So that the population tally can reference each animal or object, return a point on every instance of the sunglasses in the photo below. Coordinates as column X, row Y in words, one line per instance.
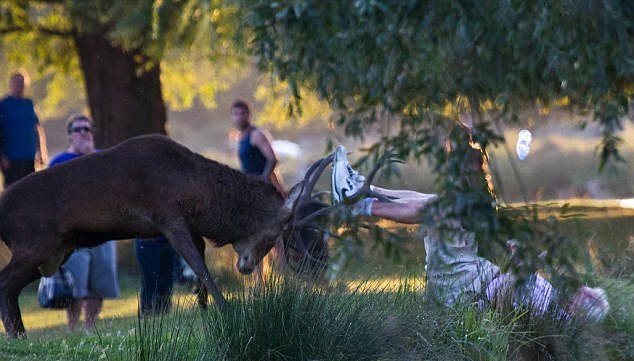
column 80, row 129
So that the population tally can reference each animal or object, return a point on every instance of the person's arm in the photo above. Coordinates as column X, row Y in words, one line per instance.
column 41, row 155
column 276, row 179
column 261, row 140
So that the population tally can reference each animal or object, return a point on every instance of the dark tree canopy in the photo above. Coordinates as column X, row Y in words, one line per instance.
column 413, row 59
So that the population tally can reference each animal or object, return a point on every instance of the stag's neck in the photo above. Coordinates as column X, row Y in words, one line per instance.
column 234, row 207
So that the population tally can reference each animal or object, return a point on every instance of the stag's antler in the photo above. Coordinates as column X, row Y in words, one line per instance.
column 306, row 242
column 313, row 175
column 365, row 190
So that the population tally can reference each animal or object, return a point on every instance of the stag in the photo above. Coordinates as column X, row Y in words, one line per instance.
column 144, row 187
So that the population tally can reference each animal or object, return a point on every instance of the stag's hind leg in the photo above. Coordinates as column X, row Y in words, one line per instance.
column 178, row 234
column 13, row 278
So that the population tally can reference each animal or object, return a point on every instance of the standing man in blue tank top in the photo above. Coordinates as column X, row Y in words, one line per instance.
column 254, row 147
column 257, row 158
column 22, row 139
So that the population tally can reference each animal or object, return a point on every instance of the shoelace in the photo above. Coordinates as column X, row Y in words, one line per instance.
column 351, row 187
column 353, row 173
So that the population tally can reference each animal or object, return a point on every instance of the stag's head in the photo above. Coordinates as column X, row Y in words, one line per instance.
column 252, row 250
column 286, row 224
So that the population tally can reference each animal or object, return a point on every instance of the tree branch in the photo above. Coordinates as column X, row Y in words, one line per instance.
column 37, row 29
column 48, row 1
column 55, row 32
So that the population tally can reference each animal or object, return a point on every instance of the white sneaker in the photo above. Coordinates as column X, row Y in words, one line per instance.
column 345, row 180
column 352, row 173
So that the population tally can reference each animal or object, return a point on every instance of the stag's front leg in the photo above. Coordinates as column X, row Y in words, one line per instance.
column 178, row 234
column 13, row 278
column 201, row 290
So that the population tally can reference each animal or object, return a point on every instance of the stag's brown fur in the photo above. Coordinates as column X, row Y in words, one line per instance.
column 144, row 187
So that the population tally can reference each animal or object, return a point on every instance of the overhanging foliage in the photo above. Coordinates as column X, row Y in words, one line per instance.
column 374, row 58
column 426, row 67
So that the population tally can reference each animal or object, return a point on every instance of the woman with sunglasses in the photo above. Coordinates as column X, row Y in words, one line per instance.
column 94, row 269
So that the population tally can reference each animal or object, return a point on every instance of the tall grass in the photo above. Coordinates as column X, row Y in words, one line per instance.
column 299, row 321
column 620, row 322
column 283, row 321
column 292, row 320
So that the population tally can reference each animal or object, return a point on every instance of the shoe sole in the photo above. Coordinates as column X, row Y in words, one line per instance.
column 336, row 190
column 335, row 173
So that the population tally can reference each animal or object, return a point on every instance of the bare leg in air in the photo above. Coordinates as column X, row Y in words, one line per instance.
column 404, row 208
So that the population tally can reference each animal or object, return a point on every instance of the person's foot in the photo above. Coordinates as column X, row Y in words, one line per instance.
column 345, row 180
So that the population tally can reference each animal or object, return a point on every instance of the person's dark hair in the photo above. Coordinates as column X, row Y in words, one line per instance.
column 75, row 117
column 242, row 105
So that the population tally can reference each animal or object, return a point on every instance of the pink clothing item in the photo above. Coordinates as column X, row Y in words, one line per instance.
column 537, row 293
column 591, row 303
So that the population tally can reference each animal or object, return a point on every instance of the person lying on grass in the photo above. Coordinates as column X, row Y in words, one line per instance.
column 454, row 271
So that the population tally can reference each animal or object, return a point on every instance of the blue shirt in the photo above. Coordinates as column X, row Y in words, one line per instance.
column 18, row 128
column 63, row 157
column 252, row 160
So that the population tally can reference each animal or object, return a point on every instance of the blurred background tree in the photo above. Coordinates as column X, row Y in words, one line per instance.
column 129, row 56
column 402, row 62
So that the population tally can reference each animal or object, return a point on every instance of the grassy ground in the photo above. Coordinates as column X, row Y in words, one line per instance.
column 299, row 322
column 376, row 312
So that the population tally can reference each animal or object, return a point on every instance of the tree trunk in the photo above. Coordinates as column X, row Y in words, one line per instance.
column 124, row 97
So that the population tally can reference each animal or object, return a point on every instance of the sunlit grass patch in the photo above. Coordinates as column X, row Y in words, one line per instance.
column 386, row 284
column 37, row 318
